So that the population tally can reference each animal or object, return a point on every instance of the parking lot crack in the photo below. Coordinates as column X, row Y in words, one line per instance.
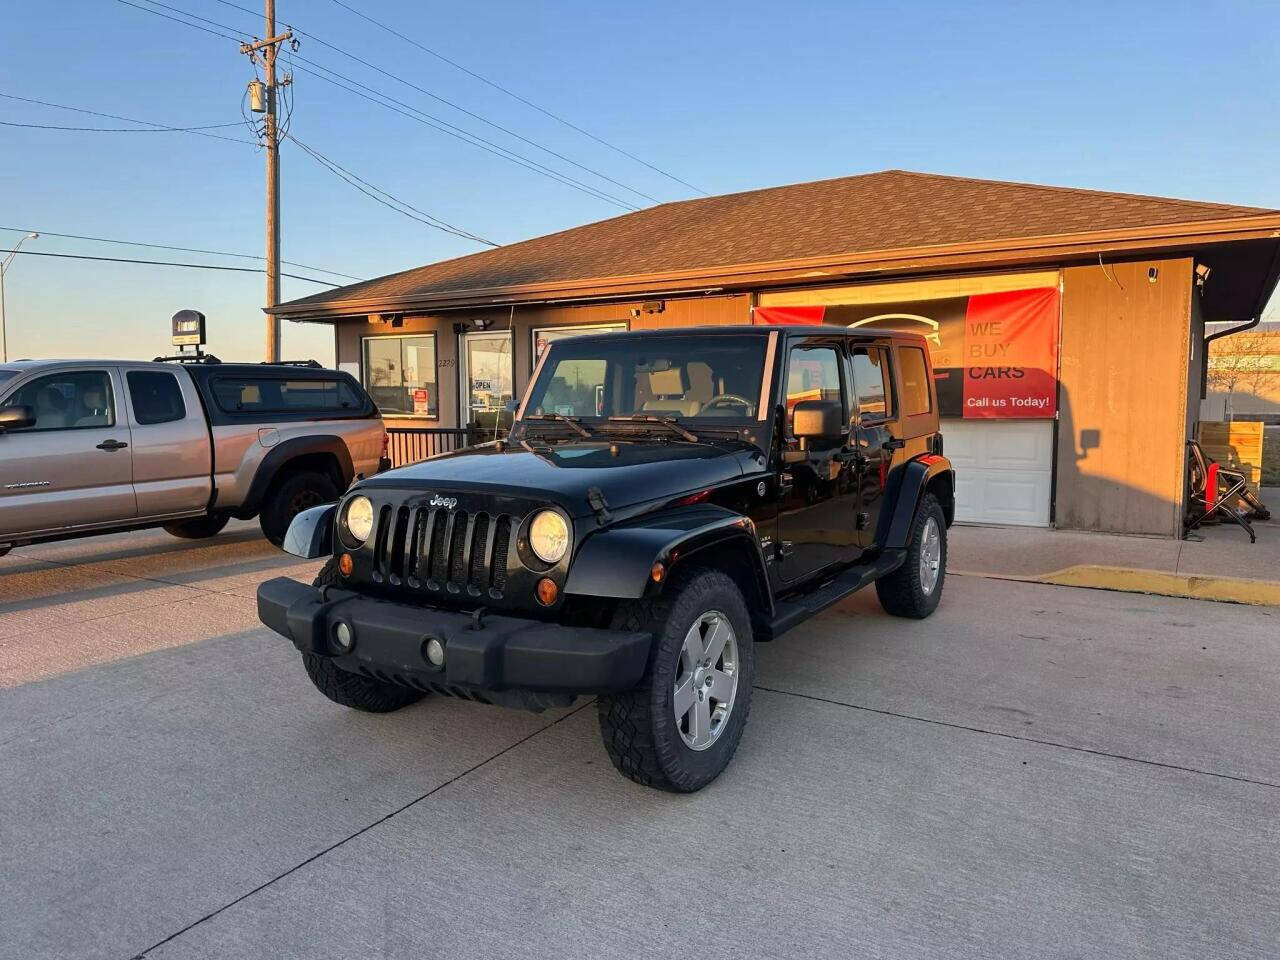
column 363, row 830
column 1013, row 736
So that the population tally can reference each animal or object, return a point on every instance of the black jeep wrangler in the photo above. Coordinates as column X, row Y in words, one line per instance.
column 664, row 500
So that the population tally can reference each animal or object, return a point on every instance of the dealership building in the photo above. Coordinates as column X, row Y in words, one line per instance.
column 1067, row 326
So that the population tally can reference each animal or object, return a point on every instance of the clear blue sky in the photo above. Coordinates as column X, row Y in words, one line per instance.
column 1168, row 98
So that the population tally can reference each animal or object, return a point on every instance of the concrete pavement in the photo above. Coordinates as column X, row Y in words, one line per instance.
column 1219, row 563
column 1035, row 771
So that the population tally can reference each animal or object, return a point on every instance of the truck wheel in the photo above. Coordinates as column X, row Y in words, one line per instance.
column 295, row 493
column 351, row 689
column 914, row 589
column 198, row 528
column 679, row 728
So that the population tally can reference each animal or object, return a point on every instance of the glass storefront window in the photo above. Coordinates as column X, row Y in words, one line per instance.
column 548, row 335
column 400, row 374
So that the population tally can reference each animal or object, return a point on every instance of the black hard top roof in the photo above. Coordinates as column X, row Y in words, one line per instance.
column 807, row 330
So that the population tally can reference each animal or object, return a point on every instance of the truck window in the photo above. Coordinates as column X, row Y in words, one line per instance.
column 914, row 373
column 871, row 381
column 65, row 401
column 270, row 395
column 156, row 397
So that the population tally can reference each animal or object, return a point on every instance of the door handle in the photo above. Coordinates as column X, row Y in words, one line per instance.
column 893, row 443
column 112, row 445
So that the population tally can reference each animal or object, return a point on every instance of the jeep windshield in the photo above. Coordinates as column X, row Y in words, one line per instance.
column 652, row 381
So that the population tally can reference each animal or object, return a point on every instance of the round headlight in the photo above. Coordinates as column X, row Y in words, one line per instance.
column 359, row 518
column 549, row 536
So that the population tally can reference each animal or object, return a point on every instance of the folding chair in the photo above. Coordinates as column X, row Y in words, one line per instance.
column 1215, row 490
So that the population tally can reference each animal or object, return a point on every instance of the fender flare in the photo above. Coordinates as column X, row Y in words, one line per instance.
column 310, row 534
column 279, row 456
column 616, row 562
column 906, row 488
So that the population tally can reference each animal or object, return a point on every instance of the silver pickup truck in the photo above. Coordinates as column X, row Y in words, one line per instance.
column 98, row 446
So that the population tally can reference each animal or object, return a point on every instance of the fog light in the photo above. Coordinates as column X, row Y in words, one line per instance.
column 547, row 591
column 344, row 564
column 343, row 638
column 434, row 651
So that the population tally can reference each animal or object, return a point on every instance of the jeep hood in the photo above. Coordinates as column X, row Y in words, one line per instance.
column 563, row 473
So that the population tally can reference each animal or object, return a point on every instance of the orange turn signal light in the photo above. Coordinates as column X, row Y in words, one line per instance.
column 547, row 591
column 658, row 571
column 345, row 564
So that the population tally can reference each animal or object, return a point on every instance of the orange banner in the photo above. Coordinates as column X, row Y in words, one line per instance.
column 1011, row 355
column 995, row 355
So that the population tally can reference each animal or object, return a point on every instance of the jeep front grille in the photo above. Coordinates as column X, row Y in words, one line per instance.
column 436, row 550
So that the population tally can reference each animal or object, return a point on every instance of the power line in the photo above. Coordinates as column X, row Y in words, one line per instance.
column 448, row 103
column 114, row 116
column 188, row 23
column 164, row 263
column 48, row 126
column 416, row 214
column 510, row 93
column 165, row 246
column 432, row 121
column 413, row 113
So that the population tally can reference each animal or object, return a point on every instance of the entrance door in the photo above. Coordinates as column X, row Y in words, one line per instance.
column 818, row 509
column 487, row 385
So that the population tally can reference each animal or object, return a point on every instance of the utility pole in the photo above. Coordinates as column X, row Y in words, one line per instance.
column 4, row 267
column 264, row 52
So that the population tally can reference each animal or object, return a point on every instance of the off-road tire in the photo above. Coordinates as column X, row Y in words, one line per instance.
column 289, row 497
column 198, row 528
column 351, row 689
column 901, row 593
column 639, row 727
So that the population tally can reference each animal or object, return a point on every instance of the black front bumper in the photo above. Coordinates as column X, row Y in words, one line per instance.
column 497, row 654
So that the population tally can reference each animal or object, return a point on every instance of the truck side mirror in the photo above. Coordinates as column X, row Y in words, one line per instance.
column 17, row 418
column 821, row 420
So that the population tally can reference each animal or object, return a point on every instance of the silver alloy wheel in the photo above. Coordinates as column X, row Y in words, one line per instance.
column 930, row 555
column 706, row 683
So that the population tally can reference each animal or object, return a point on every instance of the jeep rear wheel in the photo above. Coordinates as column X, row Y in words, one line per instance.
column 915, row 588
column 679, row 728
column 289, row 497
column 351, row 689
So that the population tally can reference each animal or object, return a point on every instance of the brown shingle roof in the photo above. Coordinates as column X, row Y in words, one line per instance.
column 885, row 211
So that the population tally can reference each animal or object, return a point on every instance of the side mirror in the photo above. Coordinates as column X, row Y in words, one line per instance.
column 817, row 420
column 17, row 418
column 512, row 406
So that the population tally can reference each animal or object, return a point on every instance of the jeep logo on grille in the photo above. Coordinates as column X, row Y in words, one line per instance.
column 447, row 502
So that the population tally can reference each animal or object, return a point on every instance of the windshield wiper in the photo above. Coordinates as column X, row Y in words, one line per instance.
column 573, row 423
column 669, row 422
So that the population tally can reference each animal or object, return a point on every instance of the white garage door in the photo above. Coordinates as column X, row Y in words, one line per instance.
column 1003, row 469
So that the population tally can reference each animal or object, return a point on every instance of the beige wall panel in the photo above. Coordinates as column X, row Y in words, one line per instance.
column 1125, row 352
column 905, row 291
